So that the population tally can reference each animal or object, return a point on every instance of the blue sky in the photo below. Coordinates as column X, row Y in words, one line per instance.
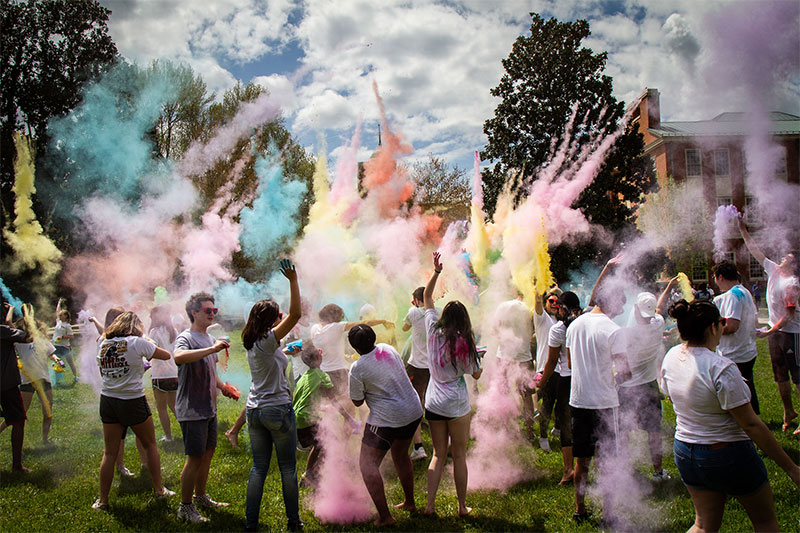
column 434, row 62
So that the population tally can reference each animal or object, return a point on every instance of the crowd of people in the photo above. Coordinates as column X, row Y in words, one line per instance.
column 595, row 379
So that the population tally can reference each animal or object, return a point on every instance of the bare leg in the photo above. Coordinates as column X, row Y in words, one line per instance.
column 163, row 414
column 439, row 437
column 142, row 451
column 233, row 433
column 459, row 435
column 402, row 463
column 71, row 364
column 654, row 440
column 47, row 421
column 369, row 463
column 311, row 464
column 708, row 508
column 789, row 414
column 569, row 468
column 146, row 441
column 202, row 474
column 112, row 441
column 760, row 508
column 121, row 454
column 581, row 476
column 189, row 477
column 17, row 439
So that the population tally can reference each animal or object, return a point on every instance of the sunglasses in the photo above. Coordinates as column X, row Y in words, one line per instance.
column 553, row 301
column 723, row 321
column 209, row 310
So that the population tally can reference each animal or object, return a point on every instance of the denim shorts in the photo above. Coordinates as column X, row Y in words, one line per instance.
column 733, row 468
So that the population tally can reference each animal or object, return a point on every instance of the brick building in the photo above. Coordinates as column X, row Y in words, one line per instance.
column 711, row 151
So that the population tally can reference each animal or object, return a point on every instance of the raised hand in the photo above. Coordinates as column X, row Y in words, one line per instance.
column 437, row 264
column 288, row 270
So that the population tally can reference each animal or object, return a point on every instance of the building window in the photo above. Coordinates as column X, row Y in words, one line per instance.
column 722, row 163
column 694, row 166
column 781, row 170
column 756, row 271
column 729, row 256
column 699, row 268
column 751, row 214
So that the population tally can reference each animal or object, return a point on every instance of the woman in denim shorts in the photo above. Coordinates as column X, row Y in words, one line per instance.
column 716, row 424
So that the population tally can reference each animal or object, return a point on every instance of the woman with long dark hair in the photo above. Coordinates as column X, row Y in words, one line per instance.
column 716, row 424
column 451, row 354
column 270, row 417
column 164, row 374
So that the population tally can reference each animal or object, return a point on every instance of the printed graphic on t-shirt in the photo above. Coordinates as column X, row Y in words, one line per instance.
column 112, row 359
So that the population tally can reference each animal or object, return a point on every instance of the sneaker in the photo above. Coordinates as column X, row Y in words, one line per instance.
column 97, row 506
column 544, row 444
column 661, row 476
column 188, row 513
column 206, row 502
column 556, row 433
column 295, row 525
column 580, row 518
column 164, row 494
column 124, row 472
column 417, row 454
column 165, row 439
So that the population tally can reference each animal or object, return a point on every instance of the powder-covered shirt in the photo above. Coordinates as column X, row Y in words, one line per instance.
column 514, row 328
column 644, row 350
column 782, row 292
column 556, row 339
column 703, row 387
column 380, row 379
column 62, row 333
column 419, row 339
column 197, row 381
column 541, row 325
column 306, row 396
column 592, row 339
column 267, row 362
column 121, row 366
column 446, row 394
column 162, row 369
column 737, row 303
column 34, row 357
column 330, row 339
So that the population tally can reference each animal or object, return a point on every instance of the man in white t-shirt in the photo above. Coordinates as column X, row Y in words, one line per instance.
column 545, row 311
column 417, row 367
column 738, row 341
column 513, row 331
column 783, row 288
column 379, row 379
column 595, row 347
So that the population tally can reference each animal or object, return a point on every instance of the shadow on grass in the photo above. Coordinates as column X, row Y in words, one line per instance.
column 43, row 479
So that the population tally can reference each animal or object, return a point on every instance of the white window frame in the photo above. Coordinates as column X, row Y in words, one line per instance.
column 754, row 266
column 699, row 162
column 695, row 264
column 751, row 213
column 727, row 160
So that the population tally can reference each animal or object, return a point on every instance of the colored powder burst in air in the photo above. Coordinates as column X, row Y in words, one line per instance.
column 526, row 250
column 10, row 298
column 160, row 296
column 726, row 215
column 685, row 286
column 478, row 243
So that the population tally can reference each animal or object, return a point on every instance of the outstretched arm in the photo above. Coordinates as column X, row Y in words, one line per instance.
column 661, row 307
column 295, row 311
column 751, row 245
column 606, row 270
column 437, row 269
column 762, row 436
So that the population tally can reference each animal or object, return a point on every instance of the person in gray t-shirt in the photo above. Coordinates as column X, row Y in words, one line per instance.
column 380, row 379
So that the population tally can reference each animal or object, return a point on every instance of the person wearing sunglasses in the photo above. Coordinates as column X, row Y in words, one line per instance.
column 196, row 404
column 716, row 424
column 545, row 316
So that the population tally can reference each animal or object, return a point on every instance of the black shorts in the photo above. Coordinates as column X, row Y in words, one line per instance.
column 307, row 437
column 419, row 380
column 165, row 384
column 640, row 405
column 199, row 436
column 783, row 348
column 591, row 427
column 12, row 407
column 124, row 412
column 382, row 437
column 28, row 387
column 431, row 416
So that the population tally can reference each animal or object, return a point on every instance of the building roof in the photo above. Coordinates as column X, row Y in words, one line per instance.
column 727, row 124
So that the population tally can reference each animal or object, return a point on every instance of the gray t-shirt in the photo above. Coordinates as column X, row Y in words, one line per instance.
column 197, row 382
column 379, row 378
column 268, row 370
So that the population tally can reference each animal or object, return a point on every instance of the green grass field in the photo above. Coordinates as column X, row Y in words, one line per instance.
column 58, row 494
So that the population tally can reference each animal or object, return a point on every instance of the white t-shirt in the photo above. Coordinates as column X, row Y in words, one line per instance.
column 419, row 339
column 301, row 332
column 62, row 333
column 121, row 367
column 782, row 292
column 330, row 339
column 162, row 369
column 514, row 329
column 556, row 339
column 447, row 390
column 379, row 377
column 541, row 325
column 644, row 350
column 592, row 339
column 34, row 360
column 703, row 387
column 737, row 303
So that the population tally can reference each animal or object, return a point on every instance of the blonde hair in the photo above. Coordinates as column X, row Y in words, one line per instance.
column 125, row 325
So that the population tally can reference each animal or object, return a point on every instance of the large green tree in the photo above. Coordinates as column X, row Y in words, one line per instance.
column 546, row 74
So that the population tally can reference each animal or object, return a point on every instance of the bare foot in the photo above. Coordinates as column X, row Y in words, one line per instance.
column 22, row 470
column 233, row 439
column 384, row 522
column 465, row 511
column 567, row 478
column 410, row 507
column 787, row 418
column 429, row 512
column 796, row 431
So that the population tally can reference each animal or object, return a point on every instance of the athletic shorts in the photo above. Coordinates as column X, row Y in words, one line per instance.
column 783, row 351
column 28, row 387
column 430, row 416
column 124, row 412
column 199, row 436
column 63, row 352
column 591, row 427
column 382, row 437
column 12, row 407
column 307, row 437
column 165, row 384
column 341, row 382
column 419, row 380
column 730, row 467
column 641, row 405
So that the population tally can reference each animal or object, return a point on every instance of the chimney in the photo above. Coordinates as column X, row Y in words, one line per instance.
column 653, row 106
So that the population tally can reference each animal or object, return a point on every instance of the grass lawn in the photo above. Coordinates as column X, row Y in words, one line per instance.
column 58, row 494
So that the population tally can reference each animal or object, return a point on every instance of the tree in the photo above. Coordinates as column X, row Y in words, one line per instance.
column 441, row 188
column 48, row 50
column 546, row 74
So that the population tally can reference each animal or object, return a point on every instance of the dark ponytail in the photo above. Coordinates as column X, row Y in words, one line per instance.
column 694, row 318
